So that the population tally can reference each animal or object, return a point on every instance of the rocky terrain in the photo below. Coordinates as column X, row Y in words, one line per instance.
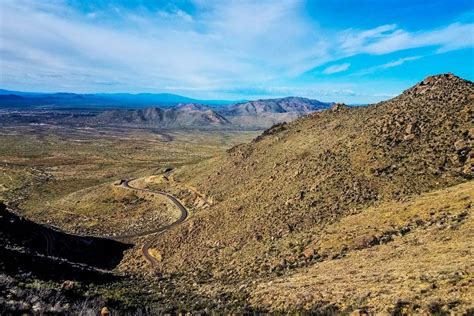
column 348, row 210
column 276, row 199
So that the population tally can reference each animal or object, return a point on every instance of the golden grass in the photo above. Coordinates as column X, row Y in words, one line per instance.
column 429, row 267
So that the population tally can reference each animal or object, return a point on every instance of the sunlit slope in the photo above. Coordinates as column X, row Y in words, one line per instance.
column 408, row 256
column 272, row 193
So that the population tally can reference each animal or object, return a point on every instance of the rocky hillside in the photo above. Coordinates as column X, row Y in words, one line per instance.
column 277, row 200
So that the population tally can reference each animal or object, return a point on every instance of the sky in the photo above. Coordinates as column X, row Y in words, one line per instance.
column 360, row 51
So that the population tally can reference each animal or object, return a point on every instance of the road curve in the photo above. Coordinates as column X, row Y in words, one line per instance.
column 50, row 240
column 146, row 247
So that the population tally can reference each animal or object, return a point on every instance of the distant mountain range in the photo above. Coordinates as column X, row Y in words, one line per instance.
column 183, row 115
column 265, row 113
column 247, row 115
column 157, row 110
column 22, row 100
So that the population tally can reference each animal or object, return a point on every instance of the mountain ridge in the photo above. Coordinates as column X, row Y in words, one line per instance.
column 91, row 100
column 273, row 198
column 266, row 113
column 187, row 115
column 278, row 105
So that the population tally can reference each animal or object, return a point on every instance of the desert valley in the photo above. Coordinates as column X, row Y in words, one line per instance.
column 228, row 218
column 181, row 157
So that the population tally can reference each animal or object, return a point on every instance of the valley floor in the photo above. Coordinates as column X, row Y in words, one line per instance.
column 53, row 172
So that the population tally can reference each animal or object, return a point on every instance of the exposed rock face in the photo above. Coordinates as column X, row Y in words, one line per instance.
column 427, row 112
column 338, row 107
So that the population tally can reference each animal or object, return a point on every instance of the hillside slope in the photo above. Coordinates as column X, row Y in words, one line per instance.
column 275, row 195
column 401, row 257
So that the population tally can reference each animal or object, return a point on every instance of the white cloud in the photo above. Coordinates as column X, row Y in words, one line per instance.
column 222, row 45
column 336, row 68
column 352, row 41
column 399, row 62
column 454, row 36
column 390, row 64
column 175, row 14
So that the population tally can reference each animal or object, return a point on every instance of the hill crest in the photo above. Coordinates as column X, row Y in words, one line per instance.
column 273, row 197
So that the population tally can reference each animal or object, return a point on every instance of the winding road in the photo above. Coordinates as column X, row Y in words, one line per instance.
column 50, row 239
column 146, row 247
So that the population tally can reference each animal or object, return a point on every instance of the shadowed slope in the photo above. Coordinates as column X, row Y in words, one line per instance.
column 38, row 239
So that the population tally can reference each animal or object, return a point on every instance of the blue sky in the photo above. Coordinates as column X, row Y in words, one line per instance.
column 350, row 51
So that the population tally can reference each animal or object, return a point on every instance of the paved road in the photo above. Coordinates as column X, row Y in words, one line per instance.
column 146, row 247
column 50, row 239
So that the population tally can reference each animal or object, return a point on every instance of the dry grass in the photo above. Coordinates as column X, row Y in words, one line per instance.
column 110, row 209
column 427, row 262
column 309, row 195
column 330, row 212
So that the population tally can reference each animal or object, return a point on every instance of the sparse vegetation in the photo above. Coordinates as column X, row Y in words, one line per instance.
column 273, row 197
column 52, row 173
column 353, row 209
